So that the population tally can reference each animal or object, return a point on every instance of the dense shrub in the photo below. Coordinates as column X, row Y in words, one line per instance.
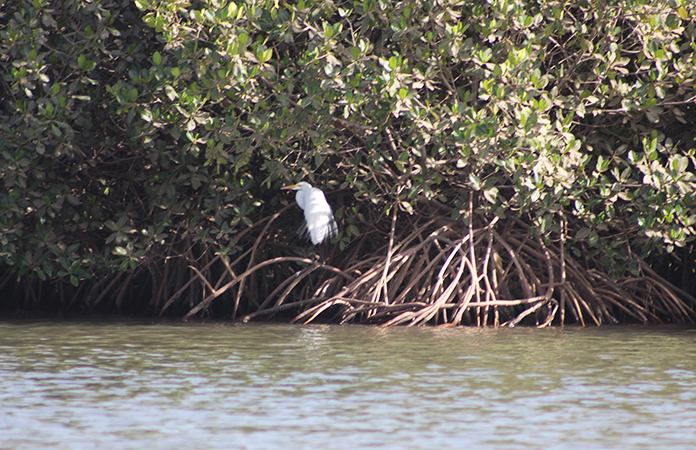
column 133, row 131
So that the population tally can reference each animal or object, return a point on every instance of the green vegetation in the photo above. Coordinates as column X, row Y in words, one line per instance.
column 544, row 148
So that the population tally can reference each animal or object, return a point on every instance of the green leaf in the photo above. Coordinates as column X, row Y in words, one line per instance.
column 582, row 233
column 474, row 181
column 355, row 52
column 328, row 30
column 531, row 121
column 406, row 206
column 593, row 238
column 491, row 194
column 393, row 62
column 230, row 11
column 170, row 93
column 653, row 115
column 157, row 58
column 601, row 163
column 264, row 55
column 683, row 163
column 580, row 110
column 82, row 61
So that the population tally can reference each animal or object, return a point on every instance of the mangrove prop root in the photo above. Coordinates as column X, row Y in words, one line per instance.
column 453, row 274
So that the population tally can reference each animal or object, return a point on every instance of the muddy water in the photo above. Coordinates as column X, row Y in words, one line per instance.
column 136, row 385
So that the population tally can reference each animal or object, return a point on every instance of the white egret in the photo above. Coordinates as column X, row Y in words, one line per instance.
column 319, row 220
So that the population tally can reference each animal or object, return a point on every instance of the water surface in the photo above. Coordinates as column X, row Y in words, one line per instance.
column 135, row 385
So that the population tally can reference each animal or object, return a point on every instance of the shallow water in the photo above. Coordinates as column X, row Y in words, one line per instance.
column 135, row 385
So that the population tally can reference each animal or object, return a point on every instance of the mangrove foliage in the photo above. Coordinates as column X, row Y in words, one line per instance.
column 488, row 162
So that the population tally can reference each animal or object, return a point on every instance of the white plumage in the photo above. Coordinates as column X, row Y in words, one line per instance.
column 319, row 220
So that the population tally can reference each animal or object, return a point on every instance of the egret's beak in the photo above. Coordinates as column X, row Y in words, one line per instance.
column 285, row 188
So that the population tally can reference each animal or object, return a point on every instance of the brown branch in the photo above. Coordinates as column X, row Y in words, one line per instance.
column 220, row 291
column 251, row 260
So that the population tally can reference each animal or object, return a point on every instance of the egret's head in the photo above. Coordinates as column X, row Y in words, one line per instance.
column 301, row 186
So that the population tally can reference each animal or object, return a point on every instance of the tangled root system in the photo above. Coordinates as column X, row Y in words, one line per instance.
column 444, row 272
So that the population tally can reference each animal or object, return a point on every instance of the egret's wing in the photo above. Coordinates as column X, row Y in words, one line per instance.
column 333, row 226
column 319, row 220
column 303, row 230
column 322, row 226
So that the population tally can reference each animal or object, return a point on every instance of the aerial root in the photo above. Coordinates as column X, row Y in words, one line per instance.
column 485, row 278
column 449, row 275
